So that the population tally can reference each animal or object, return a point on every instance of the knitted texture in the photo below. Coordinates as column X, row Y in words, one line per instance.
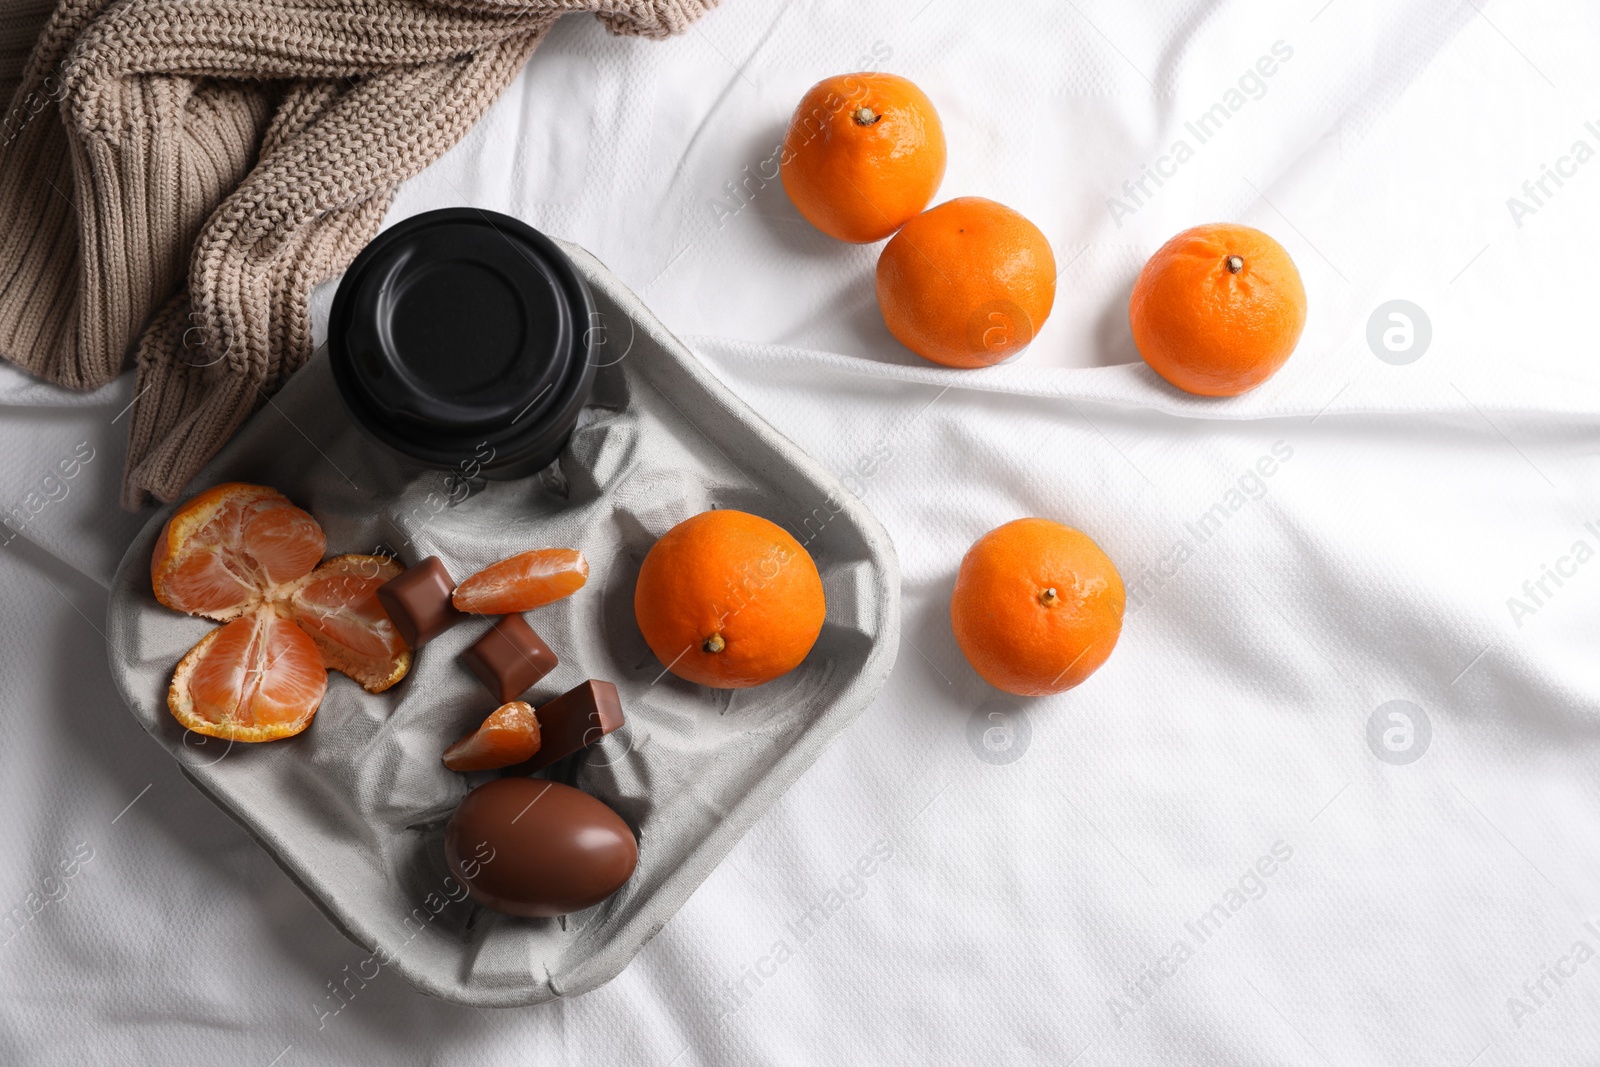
column 176, row 175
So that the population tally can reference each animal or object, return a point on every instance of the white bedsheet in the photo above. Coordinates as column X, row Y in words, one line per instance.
column 1196, row 857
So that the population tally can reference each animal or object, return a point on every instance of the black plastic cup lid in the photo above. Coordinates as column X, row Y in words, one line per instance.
column 459, row 329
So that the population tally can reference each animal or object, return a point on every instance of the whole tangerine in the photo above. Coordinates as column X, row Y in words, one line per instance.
column 729, row 599
column 864, row 153
column 1218, row 309
column 1037, row 607
column 967, row 284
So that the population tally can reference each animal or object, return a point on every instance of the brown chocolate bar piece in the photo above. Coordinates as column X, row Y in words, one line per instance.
column 573, row 720
column 509, row 658
column 418, row 602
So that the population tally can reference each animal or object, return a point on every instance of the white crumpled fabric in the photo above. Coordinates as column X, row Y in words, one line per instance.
column 1212, row 852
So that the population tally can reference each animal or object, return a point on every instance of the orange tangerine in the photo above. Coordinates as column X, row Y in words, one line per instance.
column 1218, row 309
column 967, row 284
column 337, row 606
column 1037, row 607
column 729, row 599
column 258, row 678
column 525, row 581
column 510, row 735
column 864, row 153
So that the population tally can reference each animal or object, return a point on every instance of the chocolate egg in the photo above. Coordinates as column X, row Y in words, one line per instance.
column 538, row 849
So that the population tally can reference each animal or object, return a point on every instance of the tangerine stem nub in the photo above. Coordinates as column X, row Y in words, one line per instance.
column 1050, row 598
column 714, row 643
column 865, row 116
column 1235, row 264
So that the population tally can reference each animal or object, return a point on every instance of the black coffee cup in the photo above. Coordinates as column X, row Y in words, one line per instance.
column 462, row 340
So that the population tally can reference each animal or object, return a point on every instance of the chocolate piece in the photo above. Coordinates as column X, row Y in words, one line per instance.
column 418, row 602
column 573, row 720
column 510, row 658
column 525, row 846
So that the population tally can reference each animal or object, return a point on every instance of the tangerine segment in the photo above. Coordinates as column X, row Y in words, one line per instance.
column 728, row 599
column 1218, row 309
column 863, row 154
column 221, row 553
column 509, row 735
column 337, row 606
column 258, row 678
column 1037, row 607
column 523, row 582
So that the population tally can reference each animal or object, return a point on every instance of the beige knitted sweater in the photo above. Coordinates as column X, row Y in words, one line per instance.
column 175, row 176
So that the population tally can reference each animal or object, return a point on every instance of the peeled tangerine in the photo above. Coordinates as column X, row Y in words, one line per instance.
column 337, row 606
column 223, row 552
column 244, row 555
column 258, row 678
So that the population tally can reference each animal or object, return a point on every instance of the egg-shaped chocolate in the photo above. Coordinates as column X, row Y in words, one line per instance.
column 538, row 849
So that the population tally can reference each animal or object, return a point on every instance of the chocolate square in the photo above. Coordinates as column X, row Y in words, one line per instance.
column 418, row 602
column 509, row 658
column 573, row 720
